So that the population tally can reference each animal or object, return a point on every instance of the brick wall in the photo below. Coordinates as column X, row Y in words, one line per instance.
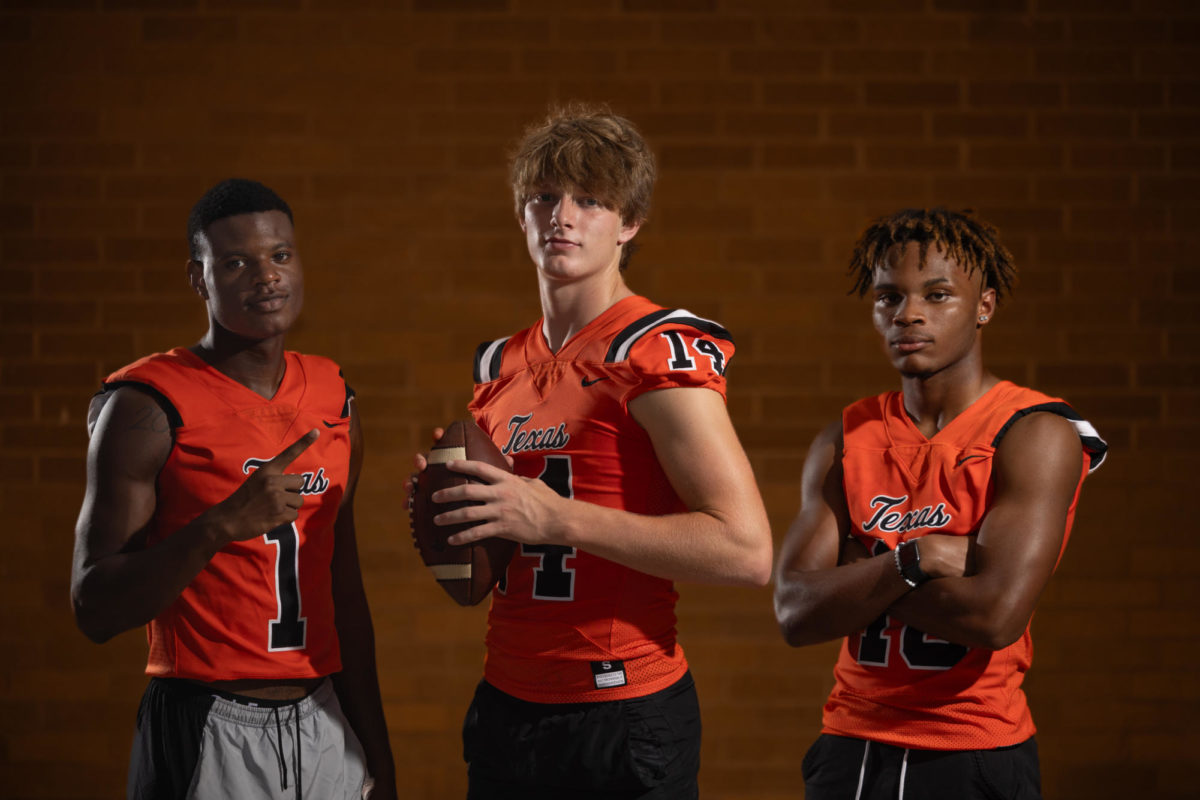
column 782, row 127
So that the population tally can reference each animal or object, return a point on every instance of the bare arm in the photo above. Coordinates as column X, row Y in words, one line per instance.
column 723, row 538
column 117, row 582
column 357, row 685
column 1037, row 470
column 819, row 593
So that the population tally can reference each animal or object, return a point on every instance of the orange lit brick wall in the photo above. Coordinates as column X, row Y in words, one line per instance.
column 782, row 128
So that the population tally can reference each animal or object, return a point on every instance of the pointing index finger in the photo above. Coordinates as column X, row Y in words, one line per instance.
column 280, row 462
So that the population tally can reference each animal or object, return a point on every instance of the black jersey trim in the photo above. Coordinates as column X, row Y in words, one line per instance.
column 168, row 408
column 623, row 342
column 487, row 360
column 1096, row 448
column 349, row 394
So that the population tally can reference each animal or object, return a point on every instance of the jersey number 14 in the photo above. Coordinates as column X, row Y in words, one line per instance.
column 552, row 579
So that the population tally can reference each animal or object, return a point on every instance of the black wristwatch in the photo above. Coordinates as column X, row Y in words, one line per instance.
column 908, row 563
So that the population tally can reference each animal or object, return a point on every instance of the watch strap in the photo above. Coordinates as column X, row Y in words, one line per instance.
column 908, row 563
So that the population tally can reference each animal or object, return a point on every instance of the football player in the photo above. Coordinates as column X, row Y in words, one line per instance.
column 931, row 519
column 628, row 477
column 219, row 513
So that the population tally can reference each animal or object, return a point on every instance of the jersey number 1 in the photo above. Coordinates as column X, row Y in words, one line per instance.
column 287, row 631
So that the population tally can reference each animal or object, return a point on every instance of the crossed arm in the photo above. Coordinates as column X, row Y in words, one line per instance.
column 724, row 537
column 984, row 588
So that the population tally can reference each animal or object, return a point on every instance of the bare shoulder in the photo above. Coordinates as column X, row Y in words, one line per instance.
column 1040, row 436
column 130, row 427
column 824, row 456
column 1040, row 455
column 830, row 435
column 129, row 406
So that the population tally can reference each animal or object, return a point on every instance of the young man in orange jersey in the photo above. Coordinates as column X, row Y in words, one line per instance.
column 219, row 512
column 931, row 520
column 628, row 477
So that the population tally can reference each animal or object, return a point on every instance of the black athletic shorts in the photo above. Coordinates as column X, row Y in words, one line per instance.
column 646, row 748
column 843, row 768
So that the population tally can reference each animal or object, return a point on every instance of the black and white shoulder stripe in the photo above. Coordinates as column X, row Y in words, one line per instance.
column 1096, row 447
column 621, row 344
column 350, row 395
column 487, row 360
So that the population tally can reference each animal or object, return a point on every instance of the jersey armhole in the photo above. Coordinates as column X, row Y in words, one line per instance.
column 349, row 395
column 1095, row 447
column 168, row 408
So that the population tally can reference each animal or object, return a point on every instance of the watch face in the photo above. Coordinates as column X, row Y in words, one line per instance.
column 909, row 555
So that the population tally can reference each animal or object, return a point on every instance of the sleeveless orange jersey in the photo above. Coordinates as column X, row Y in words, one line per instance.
column 895, row 684
column 566, row 626
column 261, row 608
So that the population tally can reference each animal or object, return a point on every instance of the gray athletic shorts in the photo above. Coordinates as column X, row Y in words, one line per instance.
column 192, row 744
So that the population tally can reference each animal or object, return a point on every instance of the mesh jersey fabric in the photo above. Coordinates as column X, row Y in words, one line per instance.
column 894, row 684
column 561, row 616
column 263, row 607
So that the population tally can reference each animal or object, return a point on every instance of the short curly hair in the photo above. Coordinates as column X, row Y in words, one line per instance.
column 972, row 243
column 228, row 199
column 587, row 148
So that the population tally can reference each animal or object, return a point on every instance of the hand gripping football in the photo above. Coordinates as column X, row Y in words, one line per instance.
column 467, row 572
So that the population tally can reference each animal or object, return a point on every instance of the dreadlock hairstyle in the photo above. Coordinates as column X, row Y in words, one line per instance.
column 228, row 199
column 972, row 243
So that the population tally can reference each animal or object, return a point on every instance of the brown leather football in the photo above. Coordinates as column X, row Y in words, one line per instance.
column 467, row 572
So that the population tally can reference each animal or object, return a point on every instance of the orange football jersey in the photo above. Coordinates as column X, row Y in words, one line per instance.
column 564, row 625
column 261, row 608
column 894, row 683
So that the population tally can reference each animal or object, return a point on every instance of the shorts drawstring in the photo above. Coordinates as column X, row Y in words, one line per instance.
column 279, row 750
column 299, row 750
column 296, row 750
column 862, row 770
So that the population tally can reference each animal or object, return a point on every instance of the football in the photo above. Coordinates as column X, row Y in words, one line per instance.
column 467, row 572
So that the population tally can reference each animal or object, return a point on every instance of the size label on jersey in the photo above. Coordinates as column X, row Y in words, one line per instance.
column 608, row 674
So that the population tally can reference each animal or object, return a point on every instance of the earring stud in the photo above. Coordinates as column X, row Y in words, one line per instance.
column 982, row 318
